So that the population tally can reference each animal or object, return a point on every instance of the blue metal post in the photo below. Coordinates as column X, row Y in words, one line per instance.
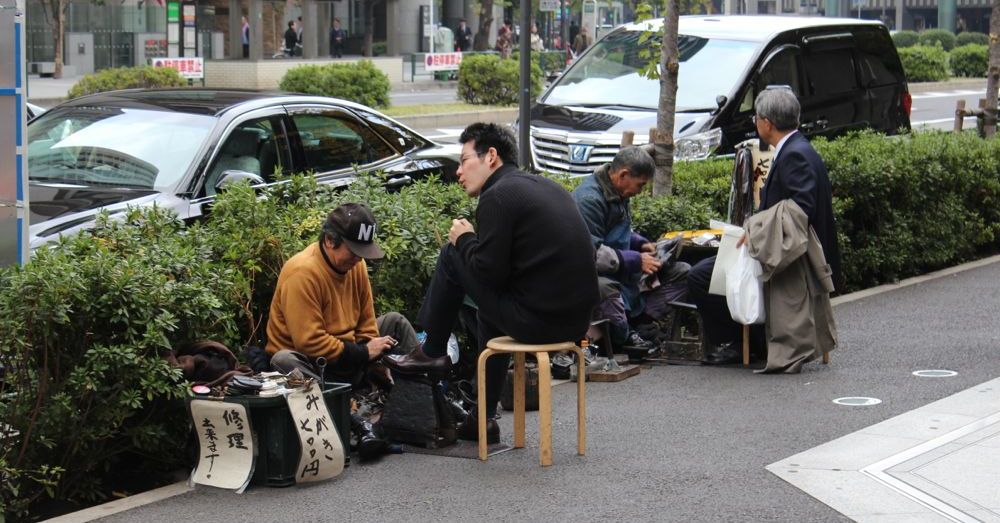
column 13, row 149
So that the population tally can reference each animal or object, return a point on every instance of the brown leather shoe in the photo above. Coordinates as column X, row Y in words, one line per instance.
column 469, row 430
column 416, row 362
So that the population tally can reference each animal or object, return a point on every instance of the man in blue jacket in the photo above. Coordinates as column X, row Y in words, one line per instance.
column 627, row 263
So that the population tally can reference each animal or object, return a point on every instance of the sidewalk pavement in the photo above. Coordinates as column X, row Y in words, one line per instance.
column 715, row 443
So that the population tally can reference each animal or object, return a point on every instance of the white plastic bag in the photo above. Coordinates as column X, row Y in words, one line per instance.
column 744, row 290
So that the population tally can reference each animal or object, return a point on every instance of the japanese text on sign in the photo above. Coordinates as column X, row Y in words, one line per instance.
column 443, row 61
column 193, row 68
column 322, row 450
column 226, row 457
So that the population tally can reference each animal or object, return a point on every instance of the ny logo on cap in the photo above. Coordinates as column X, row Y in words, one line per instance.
column 365, row 232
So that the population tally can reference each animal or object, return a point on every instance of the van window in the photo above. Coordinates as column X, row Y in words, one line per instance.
column 608, row 74
column 782, row 68
column 877, row 59
column 831, row 71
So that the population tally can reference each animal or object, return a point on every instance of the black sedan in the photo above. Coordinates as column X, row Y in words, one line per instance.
column 179, row 148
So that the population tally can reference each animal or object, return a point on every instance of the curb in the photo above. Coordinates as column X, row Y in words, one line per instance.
column 964, row 83
column 123, row 504
column 909, row 282
column 434, row 121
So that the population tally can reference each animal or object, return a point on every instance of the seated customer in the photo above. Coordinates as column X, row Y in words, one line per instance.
column 529, row 268
column 624, row 256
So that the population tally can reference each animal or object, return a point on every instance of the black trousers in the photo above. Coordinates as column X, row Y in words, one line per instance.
column 497, row 316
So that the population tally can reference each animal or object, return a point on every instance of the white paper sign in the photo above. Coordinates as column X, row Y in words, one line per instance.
column 226, row 456
column 322, row 451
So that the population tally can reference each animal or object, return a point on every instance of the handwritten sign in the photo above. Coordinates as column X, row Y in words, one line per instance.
column 322, row 451
column 226, row 457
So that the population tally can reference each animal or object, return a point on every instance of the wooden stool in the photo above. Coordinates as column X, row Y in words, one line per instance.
column 506, row 344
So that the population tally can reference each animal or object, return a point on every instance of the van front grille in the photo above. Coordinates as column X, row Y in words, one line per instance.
column 552, row 154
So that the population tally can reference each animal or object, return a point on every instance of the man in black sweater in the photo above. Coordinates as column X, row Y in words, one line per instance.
column 529, row 268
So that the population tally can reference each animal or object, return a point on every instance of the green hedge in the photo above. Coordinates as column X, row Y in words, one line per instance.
column 970, row 60
column 924, row 64
column 126, row 78
column 359, row 82
column 937, row 37
column 486, row 79
column 905, row 39
column 971, row 37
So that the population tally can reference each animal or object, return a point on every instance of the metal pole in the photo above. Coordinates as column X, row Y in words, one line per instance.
column 13, row 150
column 524, row 118
column 431, row 47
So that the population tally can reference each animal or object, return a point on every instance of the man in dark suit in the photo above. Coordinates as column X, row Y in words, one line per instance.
column 463, row 37
column 797, row 173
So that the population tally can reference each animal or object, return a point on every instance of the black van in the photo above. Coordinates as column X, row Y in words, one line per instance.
column 845, row 72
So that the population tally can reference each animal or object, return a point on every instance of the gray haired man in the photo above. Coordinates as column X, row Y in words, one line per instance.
column 625, row 257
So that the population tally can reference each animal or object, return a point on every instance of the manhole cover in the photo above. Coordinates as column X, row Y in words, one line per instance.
column 935, row 373
column 857, row 401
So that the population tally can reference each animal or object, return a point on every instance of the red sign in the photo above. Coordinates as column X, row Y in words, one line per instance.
column 193, row 68
column 443, row 61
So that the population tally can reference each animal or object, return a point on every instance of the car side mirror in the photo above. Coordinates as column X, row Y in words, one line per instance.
column 235, row 176
column 720, row 102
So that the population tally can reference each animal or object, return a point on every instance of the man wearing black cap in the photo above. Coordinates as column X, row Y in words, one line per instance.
column 323, row 307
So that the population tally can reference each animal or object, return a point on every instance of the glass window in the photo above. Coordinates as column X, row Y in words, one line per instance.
column 127, row 148
column 393, row 132
column 332, row 140
column 831, row 71
column 608, row 75
column 252, row 147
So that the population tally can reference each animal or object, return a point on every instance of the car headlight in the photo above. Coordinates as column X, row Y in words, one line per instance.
column 698, row 146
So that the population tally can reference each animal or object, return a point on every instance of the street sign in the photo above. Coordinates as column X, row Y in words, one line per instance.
column 548, row 6
column 191, row 68
column 442, row 61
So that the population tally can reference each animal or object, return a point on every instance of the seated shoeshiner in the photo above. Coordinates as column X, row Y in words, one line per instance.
column 627, row 262
column 529, row 267
column 323, row 308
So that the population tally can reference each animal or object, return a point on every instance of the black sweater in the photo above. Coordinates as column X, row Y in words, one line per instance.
column 532, row 246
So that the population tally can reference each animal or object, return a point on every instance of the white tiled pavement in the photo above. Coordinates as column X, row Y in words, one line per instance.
column 938, row 463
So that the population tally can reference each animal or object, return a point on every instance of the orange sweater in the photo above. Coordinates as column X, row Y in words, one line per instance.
column 315, row 310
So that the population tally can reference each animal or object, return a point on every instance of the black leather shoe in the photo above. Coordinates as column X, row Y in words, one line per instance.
column 725, row 355
column 370, row 444
column 416, row 362
column 469, row 430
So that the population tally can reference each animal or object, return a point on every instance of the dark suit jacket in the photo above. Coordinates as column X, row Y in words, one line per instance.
column 463, row 39
column 799, row 173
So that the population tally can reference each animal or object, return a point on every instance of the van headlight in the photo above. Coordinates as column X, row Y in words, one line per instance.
column 698, row 146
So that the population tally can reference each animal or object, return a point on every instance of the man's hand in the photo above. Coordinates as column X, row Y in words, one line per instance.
column 648, row 247
column 376, row 346
column 458, row 228
column 743, row 239
column 650, row 263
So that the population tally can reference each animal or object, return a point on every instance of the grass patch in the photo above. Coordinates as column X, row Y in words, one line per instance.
column 441, row 108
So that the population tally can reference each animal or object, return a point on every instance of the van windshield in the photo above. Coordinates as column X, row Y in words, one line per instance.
column 608, row 75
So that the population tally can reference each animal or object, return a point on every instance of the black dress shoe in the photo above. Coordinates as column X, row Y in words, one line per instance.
column 370, row 443
column 725, row 355
column 469, row 430
column 416, row 362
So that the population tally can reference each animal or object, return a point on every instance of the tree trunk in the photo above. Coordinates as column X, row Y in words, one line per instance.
column 663, row 181
column 993, row 73
column 59, row 15
column 366, row 49
column 481, row 42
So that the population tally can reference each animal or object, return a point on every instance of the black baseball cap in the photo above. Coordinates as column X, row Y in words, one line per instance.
column 356, row 225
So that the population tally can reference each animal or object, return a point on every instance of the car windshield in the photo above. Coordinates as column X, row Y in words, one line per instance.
column 114, row 147
column 608, row 75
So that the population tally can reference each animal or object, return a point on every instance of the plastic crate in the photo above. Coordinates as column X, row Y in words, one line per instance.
column 277, row 441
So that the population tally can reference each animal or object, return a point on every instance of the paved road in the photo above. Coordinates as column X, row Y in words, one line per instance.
column 674, row 443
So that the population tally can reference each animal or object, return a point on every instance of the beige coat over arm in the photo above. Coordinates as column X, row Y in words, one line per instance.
column 797, row 287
